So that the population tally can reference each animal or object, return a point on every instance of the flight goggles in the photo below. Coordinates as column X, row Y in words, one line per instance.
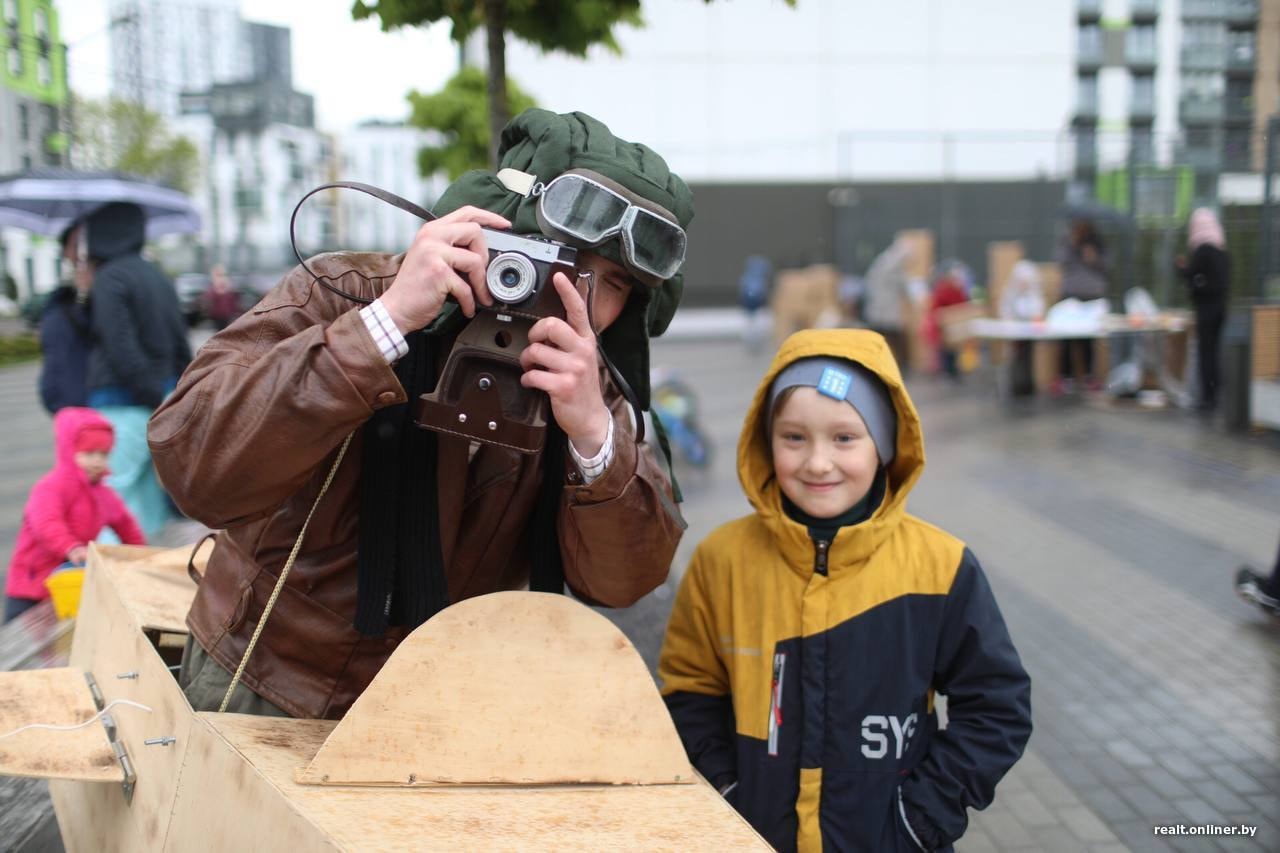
column 585, row 209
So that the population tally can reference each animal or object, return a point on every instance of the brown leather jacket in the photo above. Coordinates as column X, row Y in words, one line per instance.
column 247, row 438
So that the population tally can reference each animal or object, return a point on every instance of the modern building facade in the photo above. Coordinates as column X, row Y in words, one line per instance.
column 33, row 86
column 160, row 49
column 33, row 101
column 1176, row 84
column 260, row 153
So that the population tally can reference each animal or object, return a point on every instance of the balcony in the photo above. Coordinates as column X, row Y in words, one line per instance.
column 1202, row 158
column 1143, row 10
column 1239, row 109
column 1089, row 10
column 1142, row 109
column 1203, row 57
column 1089, row 55
column 1241, row 60
column 1140, row 58
column 1231, row 11
column 1208, row 110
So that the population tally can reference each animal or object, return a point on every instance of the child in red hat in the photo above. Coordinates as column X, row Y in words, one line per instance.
column 67, row 509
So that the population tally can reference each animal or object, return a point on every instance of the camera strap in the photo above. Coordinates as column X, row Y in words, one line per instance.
column 368, row 189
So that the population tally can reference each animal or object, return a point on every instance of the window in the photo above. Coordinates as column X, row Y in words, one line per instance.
column 44, row 75
column 40, row 20
column 11, row 11
column 24, row 123
column 15, row 61
column 1141, row 44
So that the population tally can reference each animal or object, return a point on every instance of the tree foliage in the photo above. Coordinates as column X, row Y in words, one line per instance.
column 572, row 26
column 458, row 113
column 121, row 135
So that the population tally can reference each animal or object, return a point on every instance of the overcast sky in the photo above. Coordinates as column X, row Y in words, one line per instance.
column 354, row 70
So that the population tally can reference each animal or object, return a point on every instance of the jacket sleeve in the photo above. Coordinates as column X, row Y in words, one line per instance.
column 46, row 511
column 695, row 683
column 123, row 522
column 988, row 712
column 619, row 534
column 55, row 334
column 117, row 335
column 264, row 403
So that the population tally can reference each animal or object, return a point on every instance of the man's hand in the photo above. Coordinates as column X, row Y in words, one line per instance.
column 561, row 360
column 447, row 258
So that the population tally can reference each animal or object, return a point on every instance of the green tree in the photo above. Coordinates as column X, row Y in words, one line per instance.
column 572, row 26
column 458, row 113
column 117, row 134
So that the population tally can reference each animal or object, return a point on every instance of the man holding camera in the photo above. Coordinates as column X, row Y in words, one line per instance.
column 409, row 520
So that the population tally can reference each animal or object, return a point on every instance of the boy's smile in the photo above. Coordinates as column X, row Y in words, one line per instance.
column 823, row 455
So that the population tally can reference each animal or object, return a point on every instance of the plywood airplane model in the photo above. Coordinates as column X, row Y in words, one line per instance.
column 508, row 721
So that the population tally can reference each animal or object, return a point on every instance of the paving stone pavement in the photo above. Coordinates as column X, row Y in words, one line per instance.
column 1110, row 535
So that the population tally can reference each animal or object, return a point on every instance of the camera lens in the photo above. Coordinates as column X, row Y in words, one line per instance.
column 511, row 277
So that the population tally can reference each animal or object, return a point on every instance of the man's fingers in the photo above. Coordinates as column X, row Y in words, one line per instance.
column 543, row 381
column 472, row 266
column 549, row 358
column 554, row 331
column 461, row 292
column 470, row 213
column 575, row 307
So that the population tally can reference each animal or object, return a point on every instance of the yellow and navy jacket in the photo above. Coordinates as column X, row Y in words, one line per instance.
column 802, row 674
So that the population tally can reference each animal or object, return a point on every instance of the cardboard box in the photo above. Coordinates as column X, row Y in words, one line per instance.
column 804, row 299
column 1001, row 257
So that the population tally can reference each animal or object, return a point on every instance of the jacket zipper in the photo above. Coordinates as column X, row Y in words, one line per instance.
column 775, row 700
column 820, row 557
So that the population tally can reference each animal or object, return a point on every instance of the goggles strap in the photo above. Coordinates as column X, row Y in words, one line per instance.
column 520, row 183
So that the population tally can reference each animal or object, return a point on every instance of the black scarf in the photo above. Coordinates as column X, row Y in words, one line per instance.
column 401, row 577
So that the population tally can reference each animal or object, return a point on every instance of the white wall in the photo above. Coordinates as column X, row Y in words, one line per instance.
column 752, row 89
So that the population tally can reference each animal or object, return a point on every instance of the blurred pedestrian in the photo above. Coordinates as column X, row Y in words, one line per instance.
column 948, row 290
column 883, row 311
column 140, row 348
column 753, row 294
column 807, row 639
column 222, row 300
column 1022, row 298
column 66, row 331
column 1208, row 275
column 1261, row 590
column 67, row 509
column 1084, row 260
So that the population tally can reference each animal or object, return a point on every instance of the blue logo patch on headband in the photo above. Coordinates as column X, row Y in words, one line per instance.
column 834, row 383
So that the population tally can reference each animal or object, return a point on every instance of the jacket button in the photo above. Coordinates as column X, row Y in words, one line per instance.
column 386, row 398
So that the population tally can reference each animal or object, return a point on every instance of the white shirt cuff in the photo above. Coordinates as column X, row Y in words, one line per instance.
column 390, row 342
column 595, row 466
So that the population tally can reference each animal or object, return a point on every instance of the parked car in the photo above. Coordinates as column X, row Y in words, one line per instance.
column 191, row 287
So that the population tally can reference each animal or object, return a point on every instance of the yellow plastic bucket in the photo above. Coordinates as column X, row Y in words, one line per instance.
column 64, row 585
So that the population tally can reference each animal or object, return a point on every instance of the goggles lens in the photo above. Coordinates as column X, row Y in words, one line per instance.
column 590, row 213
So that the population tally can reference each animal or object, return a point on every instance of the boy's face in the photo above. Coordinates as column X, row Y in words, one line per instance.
column 93, row 463
column 823, row 455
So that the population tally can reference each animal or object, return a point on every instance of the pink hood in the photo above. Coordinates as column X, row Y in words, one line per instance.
column 64, row 511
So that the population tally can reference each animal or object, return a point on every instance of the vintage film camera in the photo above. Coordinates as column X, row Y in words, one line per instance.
column 479, row 395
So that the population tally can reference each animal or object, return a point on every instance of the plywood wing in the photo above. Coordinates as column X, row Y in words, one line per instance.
column 59, row 697
column 491, row 691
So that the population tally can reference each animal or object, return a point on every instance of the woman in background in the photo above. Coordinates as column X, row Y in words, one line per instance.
column 1208, row 274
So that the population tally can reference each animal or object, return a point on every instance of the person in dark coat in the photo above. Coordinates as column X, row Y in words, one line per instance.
column 1208, row 274
column 1084, row 260
column 140, row 349
column 1259, row 589
column 66, row 333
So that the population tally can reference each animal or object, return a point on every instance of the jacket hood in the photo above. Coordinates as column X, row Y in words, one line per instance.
column 755, row 461
column 115, row 230
column 68, row 423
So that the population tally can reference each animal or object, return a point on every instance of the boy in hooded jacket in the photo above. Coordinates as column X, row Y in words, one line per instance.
column 67, row 509
column 808, row 639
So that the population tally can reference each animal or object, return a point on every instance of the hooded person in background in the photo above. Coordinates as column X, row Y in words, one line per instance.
column 1208, row 275
column 413, row 519
column 1084, row 261
column 140, row 348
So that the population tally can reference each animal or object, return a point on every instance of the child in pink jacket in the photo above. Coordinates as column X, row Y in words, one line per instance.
column 67, row 509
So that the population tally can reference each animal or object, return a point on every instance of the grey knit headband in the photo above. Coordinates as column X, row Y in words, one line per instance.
column 846, row 380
